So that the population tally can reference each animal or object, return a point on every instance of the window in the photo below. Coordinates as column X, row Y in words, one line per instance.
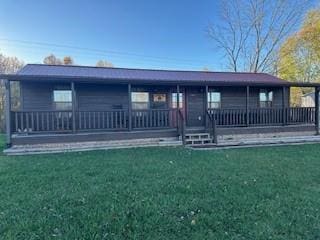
column 175, row 100
column 159, row 97
column 265, row 98
column 159, row 100
column 62, row 99
column 140, row 100
column 15, row 95
column 214, row 100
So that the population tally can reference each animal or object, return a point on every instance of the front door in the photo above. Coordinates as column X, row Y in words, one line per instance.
column 195, row 107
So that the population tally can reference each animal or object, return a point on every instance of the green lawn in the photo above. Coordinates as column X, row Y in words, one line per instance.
column 162, row 193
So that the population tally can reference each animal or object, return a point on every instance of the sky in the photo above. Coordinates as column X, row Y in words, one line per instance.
column 166, row 34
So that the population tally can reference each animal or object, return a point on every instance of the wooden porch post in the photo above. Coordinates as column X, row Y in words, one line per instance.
column 129, row 108
column 178, row 105
column 8, row 112
column 206, row 106
column 317, row 105
column 289, row 96
column 247, row 105
column 73, row 93
column 284, row 111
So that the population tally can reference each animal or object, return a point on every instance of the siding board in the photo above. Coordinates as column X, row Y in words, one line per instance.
column 37, row 96
column 92, row 97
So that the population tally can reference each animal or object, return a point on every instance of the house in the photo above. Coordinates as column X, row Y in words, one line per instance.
column 79, row 103
column 307, row 100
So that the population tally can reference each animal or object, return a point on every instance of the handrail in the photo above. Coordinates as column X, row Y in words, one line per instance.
column 40, row 111
column 212, row 126
column 182, row 127
column 256, row 108
column 152, row 110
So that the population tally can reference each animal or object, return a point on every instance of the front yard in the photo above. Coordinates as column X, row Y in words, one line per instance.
column 163, row 193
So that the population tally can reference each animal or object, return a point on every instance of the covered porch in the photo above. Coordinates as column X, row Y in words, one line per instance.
column 159, row 111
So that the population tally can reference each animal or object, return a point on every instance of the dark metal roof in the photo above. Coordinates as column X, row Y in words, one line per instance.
column 124, row 75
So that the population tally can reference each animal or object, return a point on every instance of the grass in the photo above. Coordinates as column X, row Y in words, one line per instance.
column 162, row 193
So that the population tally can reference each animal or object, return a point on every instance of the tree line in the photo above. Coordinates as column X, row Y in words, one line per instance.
column 68, row 60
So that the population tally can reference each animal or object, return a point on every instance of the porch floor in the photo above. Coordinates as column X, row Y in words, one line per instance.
column 239, row 142
column 93, row 136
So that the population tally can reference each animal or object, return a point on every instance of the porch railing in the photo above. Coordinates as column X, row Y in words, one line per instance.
column 62, row 121
column 181, row 126
column 211, row 125
column 263, row 116
column 41, row 121
column 153, row 118
column 94, row 120
column 300, row 115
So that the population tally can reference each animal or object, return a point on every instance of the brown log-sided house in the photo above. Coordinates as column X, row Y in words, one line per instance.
column 79, row 103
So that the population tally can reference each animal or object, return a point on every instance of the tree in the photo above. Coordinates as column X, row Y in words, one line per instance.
column 296, row 96
column 104, row 63
column 52, row 60
column 251, row 32
column 9, row 65
column 67, row 60
column 299, row 56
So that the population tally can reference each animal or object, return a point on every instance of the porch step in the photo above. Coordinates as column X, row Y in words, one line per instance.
column 197, row 135
column 198, row 139
column 199, row 142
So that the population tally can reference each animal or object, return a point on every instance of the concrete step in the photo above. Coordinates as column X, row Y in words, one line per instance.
column 197, row 136
column 198, row 141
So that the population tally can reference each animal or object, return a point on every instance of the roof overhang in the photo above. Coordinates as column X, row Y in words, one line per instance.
column 46, row 78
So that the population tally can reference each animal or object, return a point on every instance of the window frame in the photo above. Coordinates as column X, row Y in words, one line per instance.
column 133, row 103
column 174, row 98
column 162, row 99
column 210, row 98
column 57, row 104
column 269, row 96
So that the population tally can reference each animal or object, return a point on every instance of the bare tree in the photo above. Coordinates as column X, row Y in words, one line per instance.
column 104, row 63
column 52, row 60
column 9, row 65
column 251, row 31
